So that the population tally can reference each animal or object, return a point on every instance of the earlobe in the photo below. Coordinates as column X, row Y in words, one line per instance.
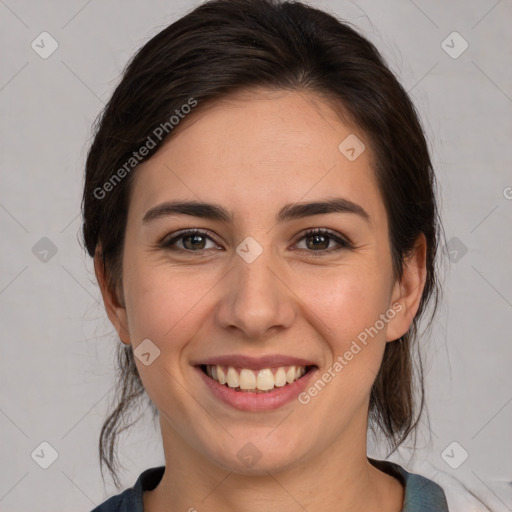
column 408, row 290
column 116, row 311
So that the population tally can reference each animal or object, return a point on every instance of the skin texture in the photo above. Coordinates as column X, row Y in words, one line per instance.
column 252, row 154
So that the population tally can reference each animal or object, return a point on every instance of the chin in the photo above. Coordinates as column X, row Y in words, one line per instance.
column 258, row 456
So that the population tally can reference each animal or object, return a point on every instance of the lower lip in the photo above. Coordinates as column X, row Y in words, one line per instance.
column 247, row 401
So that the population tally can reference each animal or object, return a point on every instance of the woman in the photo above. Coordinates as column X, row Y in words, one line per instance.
column 259, row 202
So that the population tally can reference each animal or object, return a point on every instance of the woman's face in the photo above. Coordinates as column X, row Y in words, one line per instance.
column 252, row 284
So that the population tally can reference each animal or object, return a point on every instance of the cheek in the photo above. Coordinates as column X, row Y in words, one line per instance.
column 347, row 302
column 162, row 302
column 163, row 306
column 346, row 311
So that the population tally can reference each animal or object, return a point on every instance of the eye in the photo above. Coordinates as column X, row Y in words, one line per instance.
column 192, row 241
column 195, row 240
column 320, row 240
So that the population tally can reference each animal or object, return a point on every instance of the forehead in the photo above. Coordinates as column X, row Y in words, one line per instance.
column 259, row 149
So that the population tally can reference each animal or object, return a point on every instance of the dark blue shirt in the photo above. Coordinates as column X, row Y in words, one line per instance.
column 421, row 494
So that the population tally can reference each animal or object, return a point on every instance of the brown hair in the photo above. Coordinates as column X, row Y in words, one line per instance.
column 228, row 45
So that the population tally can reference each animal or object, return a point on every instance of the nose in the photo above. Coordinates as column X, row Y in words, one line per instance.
column 256, row 301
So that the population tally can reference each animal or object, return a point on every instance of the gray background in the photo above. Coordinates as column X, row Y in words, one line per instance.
column 56, row 364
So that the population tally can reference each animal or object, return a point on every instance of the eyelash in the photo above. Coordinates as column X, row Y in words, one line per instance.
column 343, row 244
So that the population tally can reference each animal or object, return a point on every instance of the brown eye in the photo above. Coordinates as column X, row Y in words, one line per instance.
column 319, row 240
column 192, row 241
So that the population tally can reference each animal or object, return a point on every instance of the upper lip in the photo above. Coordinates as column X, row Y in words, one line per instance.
column 254, row 363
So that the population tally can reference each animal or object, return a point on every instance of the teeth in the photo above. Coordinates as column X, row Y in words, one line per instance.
column 232, row 377
column 290, row 374
column 263, row 380
column 247, row 379
column 280, row 378
column 221, row 376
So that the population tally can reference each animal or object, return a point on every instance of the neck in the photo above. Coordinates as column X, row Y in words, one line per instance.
column 339, row 479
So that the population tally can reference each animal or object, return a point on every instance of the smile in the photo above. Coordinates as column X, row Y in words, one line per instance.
column 249, row 383
column 258, row 381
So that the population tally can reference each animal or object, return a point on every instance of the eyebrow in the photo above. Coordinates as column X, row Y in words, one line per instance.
column 289, row 212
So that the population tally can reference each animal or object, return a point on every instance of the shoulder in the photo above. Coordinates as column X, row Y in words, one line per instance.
column 421, row 494
column 130, row 500
column 468, row 491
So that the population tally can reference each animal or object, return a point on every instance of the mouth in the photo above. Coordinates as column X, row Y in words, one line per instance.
column 255, row 384
column 262, row 380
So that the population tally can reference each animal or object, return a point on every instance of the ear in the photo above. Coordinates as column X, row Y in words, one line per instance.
column 407, row 291
column 116, row 311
